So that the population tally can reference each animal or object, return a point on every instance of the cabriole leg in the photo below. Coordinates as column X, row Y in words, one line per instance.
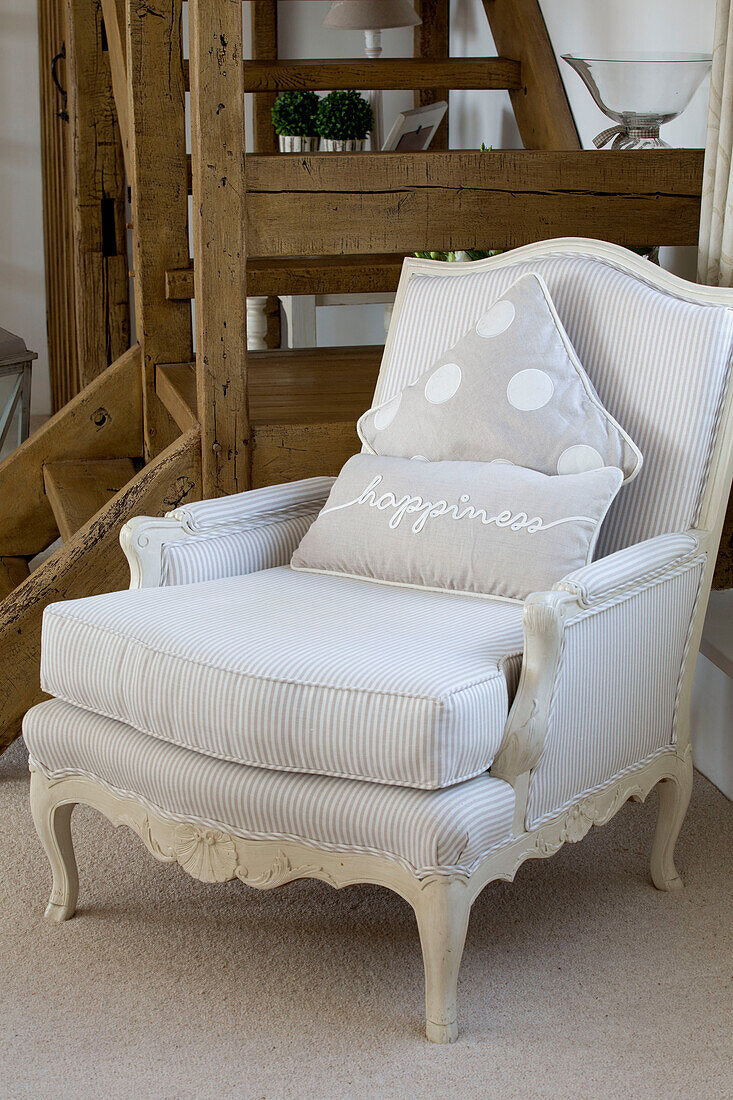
column 674, row 796
column 442, row 912
column 53, row 825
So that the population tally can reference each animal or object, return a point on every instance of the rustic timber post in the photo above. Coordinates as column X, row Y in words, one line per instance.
column 263, row 17
column 57, row 232
column 218, row 169
column 159, row 185
column 97, row 194
column 263, row 14
column 432, row 39
column 541, row 106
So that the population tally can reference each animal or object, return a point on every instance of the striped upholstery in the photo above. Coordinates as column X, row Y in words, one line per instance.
column 297, row 671
column 633, row 566
column 211, row 556
column 242, row 533
column 256, row 505
column 616, row 689
column 427, row 831
column 658, row 363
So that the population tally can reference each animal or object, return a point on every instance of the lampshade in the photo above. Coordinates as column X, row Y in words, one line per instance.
column 371, row 15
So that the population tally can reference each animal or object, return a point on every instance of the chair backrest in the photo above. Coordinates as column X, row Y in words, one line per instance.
column 657, row 348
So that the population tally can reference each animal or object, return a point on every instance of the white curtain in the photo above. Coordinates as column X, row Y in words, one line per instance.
column 715, row 257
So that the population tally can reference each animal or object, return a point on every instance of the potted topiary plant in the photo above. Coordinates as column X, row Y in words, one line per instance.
column 293, row 116
column 343, row 121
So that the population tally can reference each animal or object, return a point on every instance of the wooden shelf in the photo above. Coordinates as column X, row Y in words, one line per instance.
column 385, row 73
column 305, row 275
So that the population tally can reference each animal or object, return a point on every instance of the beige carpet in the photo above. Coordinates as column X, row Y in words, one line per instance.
column 579, row 980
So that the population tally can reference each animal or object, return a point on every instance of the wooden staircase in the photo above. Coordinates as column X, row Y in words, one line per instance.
column 156, row 428
column 78, row 488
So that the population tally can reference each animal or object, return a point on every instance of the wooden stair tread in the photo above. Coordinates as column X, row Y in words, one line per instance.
column 13, row 571
column 76, row 490
column 104, row 420
column 297, row 386
column 89, row 563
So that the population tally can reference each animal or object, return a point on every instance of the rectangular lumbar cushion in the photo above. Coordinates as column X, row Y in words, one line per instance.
column 480, row 527
column 512, row 388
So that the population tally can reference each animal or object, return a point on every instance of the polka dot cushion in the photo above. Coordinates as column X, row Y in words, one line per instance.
column 511, row 390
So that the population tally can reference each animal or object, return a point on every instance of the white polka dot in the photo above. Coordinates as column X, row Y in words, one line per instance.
column 497, row 320
column 578, row 459
column 419, row 458
column 501, row 462
column 529, row 389
column 443, row 383
column 383, row 417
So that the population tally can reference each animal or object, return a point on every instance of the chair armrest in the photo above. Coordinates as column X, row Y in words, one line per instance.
column 256, row 507
column 604, row 644
column 629, row 568
column 223, row 537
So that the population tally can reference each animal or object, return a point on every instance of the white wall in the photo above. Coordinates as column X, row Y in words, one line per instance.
column 575, row 26
column 22, row 289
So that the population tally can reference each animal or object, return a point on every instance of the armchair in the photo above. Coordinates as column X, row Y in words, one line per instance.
column 251, row 722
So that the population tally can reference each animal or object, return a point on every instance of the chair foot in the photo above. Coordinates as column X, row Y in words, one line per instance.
column 53, row 825
column 674, row 797
column 442, row 912
column 441, row 1033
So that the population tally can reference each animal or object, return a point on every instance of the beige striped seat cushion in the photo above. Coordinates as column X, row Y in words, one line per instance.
column 297, row 672
column 427, row 831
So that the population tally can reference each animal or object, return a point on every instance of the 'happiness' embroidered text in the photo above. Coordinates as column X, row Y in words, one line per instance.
column 425, row 509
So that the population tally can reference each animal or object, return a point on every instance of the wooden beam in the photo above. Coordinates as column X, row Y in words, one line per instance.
column 263, row 16
column 346, row 205
column 217, row 142
column 540, row 104
column 432, row 39
column 58, row 242
column 97, row 195
column 159, row 197
column 113, row 12
column 383, row 73
column 306, row 275
column 103, row 421
column 288, row 386
column 89, row 563
column 76, row 490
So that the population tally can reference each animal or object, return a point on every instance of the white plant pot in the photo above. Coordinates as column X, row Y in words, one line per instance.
column 296, row 143
column 333, row 145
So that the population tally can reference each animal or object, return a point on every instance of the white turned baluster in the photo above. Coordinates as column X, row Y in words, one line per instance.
column 256, row 324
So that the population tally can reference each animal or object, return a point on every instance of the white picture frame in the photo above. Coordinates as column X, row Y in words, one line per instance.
column 414, row 130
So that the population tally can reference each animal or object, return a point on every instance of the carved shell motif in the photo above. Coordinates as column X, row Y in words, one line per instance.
column 579, row 820
column 207, row 854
